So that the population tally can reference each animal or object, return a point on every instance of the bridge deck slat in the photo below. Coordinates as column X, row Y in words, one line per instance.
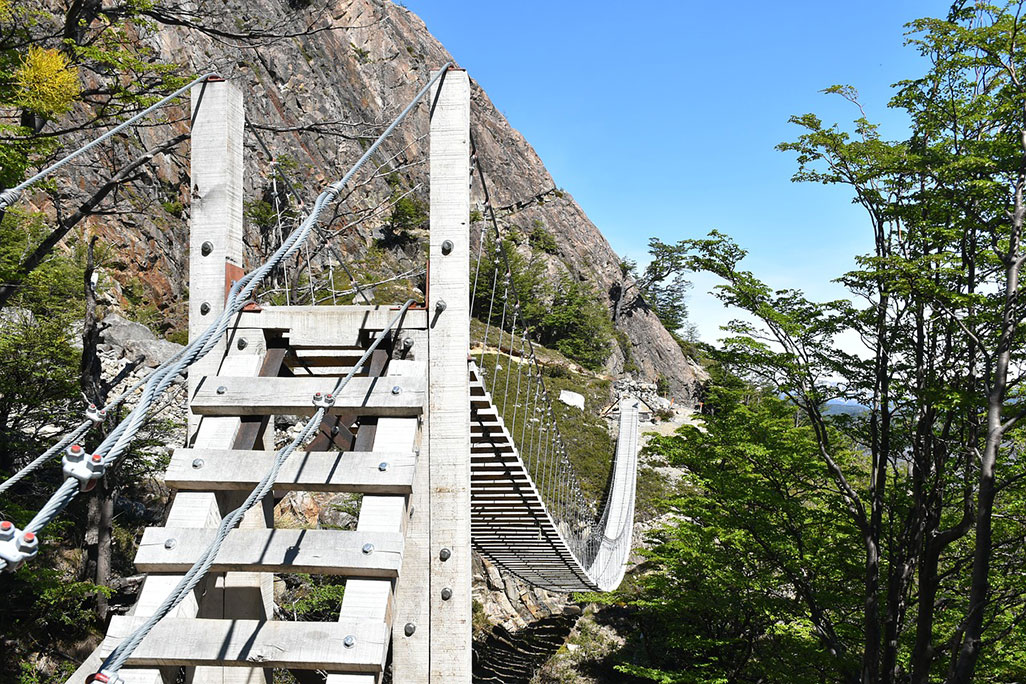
column 315, row 471
column 300, row 645
column 324, row 552
column 262, row 396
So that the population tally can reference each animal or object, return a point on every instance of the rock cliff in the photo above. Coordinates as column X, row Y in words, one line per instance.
column 315, row 99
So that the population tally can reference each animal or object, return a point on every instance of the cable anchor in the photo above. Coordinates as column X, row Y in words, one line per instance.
column 16, row 546
column 322, row 400
column 96, row 414
column 86, row 470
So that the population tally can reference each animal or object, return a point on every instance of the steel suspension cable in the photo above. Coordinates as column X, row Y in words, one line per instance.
column 10, row 196
column 119, row 656
column 119, row 440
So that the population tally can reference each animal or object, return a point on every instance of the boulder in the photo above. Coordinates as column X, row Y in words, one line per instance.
column 572, row 398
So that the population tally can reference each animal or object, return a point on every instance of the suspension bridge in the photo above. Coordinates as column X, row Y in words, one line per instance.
column 453, row 444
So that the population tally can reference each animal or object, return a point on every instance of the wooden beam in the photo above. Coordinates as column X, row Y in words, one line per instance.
column 301, row 645
column 448, row 380
column 233, row 396
column 324, row 552
column 314, row 471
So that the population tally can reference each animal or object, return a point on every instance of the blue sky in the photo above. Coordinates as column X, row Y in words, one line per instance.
column 661, row 117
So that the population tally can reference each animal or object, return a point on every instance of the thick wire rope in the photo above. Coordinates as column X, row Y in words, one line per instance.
column 76, row 433
column 10, row 196
column 119, row 656
column 118, row 441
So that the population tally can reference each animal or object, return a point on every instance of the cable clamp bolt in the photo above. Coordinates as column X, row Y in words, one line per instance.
column 16, row 546
column 86, row 470
column 104, row 678
column 95, row 414
column 323, row 400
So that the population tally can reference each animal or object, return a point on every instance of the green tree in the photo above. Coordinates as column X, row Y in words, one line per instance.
column 755, row 578
column 577, row 324
column 661, row 287
column 937, row 498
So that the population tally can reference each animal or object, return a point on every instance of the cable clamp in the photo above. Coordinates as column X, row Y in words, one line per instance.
column 322, row 400
column 16, row 546
column 86, row 470
column 105, row 678
column 95, row 414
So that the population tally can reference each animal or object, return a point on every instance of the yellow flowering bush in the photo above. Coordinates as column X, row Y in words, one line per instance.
column 46, row 82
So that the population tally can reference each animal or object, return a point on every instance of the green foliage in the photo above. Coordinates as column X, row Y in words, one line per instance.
column 55, row 287
column 313, row 598
column 408, row 213
column 937, row 480
column 261, row 214
column 569, row 317
column 759, row 556
column 662, row 285
column 577, row 324
column 541, row 239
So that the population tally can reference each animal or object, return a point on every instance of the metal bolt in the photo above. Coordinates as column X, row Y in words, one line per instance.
column 197, row 463
column 243, row 343
column 334, row 430
column 204, row 308
column 440, row 305
column 397, row 389
column 368, row 548
column 206, row 248
column 446, row 594
column 447, row 247
column 408, row 344
column 382, row 466
column 349, row 641
column 170, row 543
column 445, row 554
column 409, row 629
column 221, row 389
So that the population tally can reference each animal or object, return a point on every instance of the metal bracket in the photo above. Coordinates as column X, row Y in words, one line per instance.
column 324, row 400
column 86, row 470
column 16, row 546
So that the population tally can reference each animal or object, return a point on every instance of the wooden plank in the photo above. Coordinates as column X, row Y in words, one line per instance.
column 325, row 552
column 448, row 380
column 243, row 396
column 300, row 645
column 316, row 471
column 326, row 321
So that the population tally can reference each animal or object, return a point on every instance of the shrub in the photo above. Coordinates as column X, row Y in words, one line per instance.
column 542, row 239
column 46, row 83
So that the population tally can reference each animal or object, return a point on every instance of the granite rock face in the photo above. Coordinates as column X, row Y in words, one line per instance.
column 315, row 98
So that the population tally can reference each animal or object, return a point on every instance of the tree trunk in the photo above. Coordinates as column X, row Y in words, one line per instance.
column 101, row 500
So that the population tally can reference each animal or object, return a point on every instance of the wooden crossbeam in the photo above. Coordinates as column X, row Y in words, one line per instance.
column 314, row 471
column 300, row 645
column 234, row 396
column 323, row 552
